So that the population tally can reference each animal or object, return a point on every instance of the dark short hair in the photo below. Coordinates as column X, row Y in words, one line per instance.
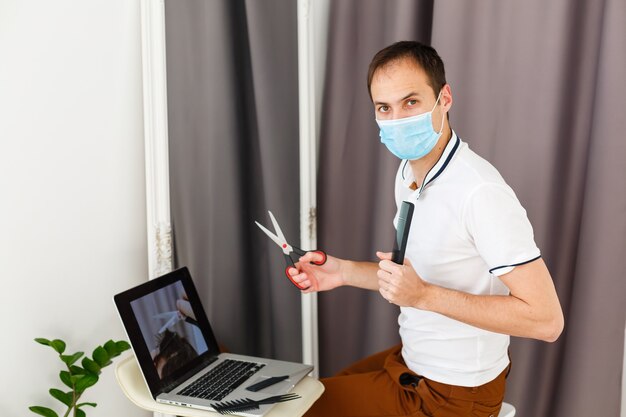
column 423, row 55
column 175, row 350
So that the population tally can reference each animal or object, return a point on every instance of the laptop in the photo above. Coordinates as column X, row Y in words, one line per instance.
column 178, row 353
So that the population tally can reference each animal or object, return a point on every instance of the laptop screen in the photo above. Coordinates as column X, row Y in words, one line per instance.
column 169, row 328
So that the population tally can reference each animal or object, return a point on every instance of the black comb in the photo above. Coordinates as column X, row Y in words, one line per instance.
column 246, row 404
column 267, row 383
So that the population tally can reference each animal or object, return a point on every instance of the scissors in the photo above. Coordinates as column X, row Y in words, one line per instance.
column 172, row 318
column 288, row 250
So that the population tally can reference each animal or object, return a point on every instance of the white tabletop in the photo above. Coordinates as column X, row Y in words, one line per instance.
column 134, row 387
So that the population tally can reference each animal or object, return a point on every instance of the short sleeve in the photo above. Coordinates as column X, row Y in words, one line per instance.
column 500, row 228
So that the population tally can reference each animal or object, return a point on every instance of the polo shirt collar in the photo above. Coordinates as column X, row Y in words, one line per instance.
column 448, row 153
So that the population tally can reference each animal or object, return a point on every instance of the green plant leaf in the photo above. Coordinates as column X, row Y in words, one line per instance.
column 65, row 398
column 101, row 356
column 58, row 345
column 75, row 379
column 71, row 359
column 111, row 348
column 91, row 366
column 66, row 378
column 43, row 411
column 84, row 404
column 80, row 413
column 122, row 345
column 77, row 370
column 43, row 341
column 85, row 382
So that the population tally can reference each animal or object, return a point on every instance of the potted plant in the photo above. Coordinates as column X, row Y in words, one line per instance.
column 78, row 378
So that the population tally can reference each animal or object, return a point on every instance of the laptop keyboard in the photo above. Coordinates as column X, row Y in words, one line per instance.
column 221, row 380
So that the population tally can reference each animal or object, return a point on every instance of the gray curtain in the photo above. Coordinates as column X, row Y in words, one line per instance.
column 233, row 132
column 539, row 91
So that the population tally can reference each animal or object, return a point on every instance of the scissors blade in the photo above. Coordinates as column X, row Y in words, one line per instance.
column 167, row 315
column 271, row 235
column 277, row 227
column 175, row 319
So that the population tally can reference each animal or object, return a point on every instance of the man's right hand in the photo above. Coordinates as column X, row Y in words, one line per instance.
column 318, row 277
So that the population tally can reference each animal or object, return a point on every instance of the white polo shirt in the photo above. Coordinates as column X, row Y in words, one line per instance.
column 468, row 228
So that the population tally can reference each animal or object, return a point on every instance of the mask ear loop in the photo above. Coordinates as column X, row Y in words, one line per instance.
column 442, row 115
column 437, row 101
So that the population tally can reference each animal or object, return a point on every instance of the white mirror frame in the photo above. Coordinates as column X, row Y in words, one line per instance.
column 156, row 140
column 156, row 148
column 159, row 228
column 308, row 172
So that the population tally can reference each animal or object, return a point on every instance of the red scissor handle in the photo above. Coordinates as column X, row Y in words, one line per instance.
column 323, row 261
column 301, row 252
column 291, row 278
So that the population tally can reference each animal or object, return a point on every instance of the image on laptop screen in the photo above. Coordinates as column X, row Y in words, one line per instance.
column 169, row 328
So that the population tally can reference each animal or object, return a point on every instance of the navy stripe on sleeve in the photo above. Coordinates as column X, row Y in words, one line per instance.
column 508, row 266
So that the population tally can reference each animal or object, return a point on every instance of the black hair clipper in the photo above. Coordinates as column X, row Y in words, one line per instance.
column 402, row 232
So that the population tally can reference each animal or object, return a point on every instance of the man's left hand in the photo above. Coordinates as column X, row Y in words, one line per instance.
column 400, row 284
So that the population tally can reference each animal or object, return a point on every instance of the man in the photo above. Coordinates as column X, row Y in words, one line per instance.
column 472, row 274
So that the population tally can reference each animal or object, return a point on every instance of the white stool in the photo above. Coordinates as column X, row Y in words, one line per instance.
column 507, row 410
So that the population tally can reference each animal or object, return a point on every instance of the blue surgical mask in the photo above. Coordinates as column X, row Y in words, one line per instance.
column 411, row 137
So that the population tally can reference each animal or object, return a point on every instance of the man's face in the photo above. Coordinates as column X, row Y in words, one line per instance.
column 400, row 89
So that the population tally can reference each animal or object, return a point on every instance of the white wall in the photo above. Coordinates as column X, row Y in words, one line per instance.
column 72, row 193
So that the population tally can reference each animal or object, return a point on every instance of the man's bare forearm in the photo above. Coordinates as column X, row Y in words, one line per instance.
column 360, row 274
column 497, row 313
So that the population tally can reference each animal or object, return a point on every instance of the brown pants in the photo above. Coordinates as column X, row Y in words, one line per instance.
column 381, row 385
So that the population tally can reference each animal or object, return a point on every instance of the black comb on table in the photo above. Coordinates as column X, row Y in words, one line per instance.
column 246, row 404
